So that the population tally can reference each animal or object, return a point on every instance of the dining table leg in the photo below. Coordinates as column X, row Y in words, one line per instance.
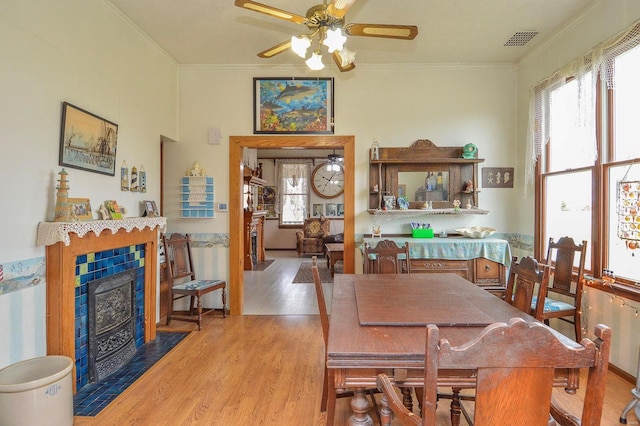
column 359, row 407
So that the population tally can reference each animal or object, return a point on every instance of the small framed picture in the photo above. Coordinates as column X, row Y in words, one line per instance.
column 150, row 209
column 317, row 210
column 271, row 211
column 402, row 190
column 497, row 177
column 113, row 209
column 223, row 207
column 331, row 209
column 340, row 211
column 80, row 209
column 389, row 201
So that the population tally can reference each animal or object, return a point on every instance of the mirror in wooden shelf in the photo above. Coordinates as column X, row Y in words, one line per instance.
column 425, row 174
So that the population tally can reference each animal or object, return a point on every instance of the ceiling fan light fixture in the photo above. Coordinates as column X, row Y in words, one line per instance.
column 347, row 57
column 341, row 4
column 334, row 40
column 300, row 45
column 315, row 61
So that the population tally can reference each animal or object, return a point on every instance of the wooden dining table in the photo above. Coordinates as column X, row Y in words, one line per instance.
column 378, row 322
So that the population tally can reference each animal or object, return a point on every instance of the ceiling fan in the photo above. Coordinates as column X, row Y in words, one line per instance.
column 327, row 25
column 334, row 158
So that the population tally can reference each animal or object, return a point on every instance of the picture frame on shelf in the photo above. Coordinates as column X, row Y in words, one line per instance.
column 340, row 211
column 402, row 190
column 389, row 202
column 150, row 209
column 114, row 209
column 317, row 210
column 293, row 105
column 80, row 209
column 331, row 209
column 87, row 142
column 271, row 211
column 268, row 195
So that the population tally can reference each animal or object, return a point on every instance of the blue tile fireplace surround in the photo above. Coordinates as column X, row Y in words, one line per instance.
column 85, row 255
column 94, row 266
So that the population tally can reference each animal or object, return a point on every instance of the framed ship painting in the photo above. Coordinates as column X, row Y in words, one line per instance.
column 293, row 105
column 87, row 142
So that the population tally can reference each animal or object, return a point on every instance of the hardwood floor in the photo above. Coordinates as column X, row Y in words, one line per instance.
column 270, row 292
column 259, row 369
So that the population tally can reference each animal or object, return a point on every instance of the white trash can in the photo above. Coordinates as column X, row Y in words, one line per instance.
column 37, row 391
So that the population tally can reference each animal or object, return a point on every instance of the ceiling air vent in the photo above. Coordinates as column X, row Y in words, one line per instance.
column 521, row 38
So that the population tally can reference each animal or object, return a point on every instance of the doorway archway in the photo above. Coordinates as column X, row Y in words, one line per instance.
column 236, row 225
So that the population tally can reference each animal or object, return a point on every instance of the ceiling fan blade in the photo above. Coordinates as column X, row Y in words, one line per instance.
column 338, row 60
column 404, row 32
column 339, row 8
column 271, row 11
column 273, row 51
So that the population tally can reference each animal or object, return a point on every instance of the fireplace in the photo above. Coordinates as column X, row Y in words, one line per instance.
column 79, row 252
column 111, row 302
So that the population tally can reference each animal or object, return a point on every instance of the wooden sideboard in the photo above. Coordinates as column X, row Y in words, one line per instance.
column 254, row 238
column 484, row 262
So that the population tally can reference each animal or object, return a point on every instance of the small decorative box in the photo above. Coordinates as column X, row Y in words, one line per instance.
column 422, row 233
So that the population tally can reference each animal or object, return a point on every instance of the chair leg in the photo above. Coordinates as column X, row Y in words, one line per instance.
column 385, row 412
column 170, row 308
column 375, row 405
column 455, row 407
column 407, row 400
column 224, row 302
column 331, row 405
column 325, row 391
column 199, row 310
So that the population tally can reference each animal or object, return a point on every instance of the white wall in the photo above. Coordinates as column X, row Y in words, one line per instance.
column 451, row 105
column 604, row 20
column 83, row 52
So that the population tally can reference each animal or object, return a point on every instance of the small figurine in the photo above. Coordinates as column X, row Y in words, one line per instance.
column 196, row 170
column 468, row 186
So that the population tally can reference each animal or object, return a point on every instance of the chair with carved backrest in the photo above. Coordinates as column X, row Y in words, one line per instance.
column 310, row 240
column 565, row 285
column 387, row 258
column 328, row 402
column 183, row 282
column 528, row 280
column 515, row 366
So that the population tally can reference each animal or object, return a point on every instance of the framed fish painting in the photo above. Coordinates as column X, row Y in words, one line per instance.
column 293, row 105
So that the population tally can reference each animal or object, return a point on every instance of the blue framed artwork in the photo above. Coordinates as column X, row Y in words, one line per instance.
column 293, row 105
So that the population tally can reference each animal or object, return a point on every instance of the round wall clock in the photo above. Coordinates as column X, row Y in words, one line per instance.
column 327, row 180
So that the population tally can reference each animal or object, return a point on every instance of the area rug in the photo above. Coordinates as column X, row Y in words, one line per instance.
column 261, row 266
column 305, row 276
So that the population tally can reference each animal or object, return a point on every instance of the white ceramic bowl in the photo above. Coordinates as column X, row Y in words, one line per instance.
column 476, row 231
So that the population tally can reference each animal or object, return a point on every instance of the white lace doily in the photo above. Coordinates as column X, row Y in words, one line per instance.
column 380, row 216
column 50, row 233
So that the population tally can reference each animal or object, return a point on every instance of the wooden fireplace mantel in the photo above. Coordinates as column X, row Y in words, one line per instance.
column 64, row 242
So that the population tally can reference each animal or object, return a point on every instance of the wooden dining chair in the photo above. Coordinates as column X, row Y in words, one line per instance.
column 515, row 366
column 528, row 281
column 183, row 282
column 387, row 258
column 329, row 397
column 564, row 293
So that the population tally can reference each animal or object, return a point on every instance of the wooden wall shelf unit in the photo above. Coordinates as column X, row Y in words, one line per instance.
column 454, row 174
